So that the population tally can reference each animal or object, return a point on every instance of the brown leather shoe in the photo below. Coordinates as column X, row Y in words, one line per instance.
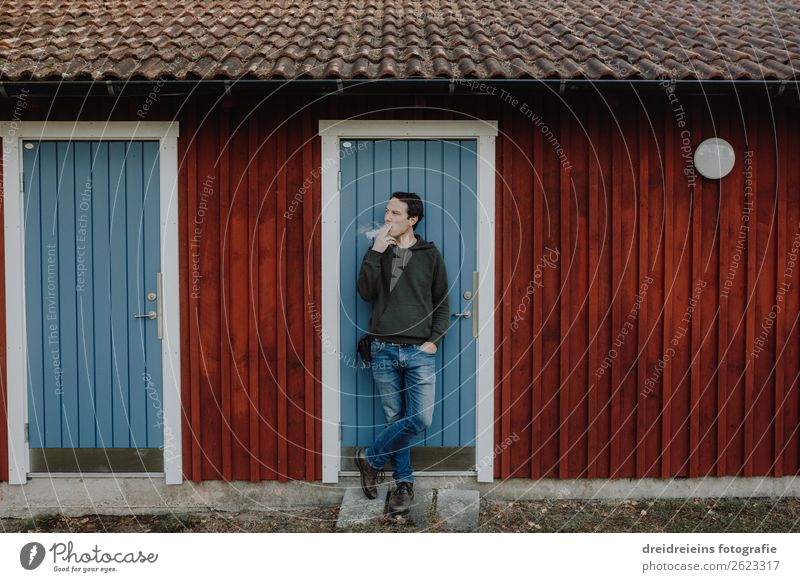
column 402, row 496
column 370, row 478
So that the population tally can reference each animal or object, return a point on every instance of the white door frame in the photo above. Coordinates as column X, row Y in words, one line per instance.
column 12, row 133
column 331, row 131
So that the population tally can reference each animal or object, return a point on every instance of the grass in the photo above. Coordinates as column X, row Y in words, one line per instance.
column 651, row 515
column 729, row 515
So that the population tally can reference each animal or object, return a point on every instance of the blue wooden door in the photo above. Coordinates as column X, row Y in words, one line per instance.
column 444, row 174
column 92, row 257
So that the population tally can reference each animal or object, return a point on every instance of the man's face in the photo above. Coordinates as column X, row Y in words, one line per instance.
column 397, row 215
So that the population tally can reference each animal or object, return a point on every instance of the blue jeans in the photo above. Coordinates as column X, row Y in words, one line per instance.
column 408, row 412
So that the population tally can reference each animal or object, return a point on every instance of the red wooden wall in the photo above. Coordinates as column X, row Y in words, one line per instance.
column 582, row 385
column 653, row 274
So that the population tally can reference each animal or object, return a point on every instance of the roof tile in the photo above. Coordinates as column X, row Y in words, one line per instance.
column 60, row 39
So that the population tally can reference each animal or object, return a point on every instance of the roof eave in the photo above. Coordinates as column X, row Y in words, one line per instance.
column 386, row 86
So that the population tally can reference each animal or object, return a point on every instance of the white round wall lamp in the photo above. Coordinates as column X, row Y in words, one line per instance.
column 714, row 158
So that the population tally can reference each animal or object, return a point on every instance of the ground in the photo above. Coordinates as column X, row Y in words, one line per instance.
column 675, row 515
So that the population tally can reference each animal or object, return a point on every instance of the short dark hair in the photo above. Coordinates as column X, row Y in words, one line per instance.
column 414, row 203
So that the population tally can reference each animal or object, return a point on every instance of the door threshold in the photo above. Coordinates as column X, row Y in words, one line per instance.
column 436, row 460
column 96, row 460
column 422, row 474
column 94, row 475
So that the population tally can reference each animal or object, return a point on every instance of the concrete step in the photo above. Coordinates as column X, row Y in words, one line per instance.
column 358, row 509
column 419, row 515
column 455, row 509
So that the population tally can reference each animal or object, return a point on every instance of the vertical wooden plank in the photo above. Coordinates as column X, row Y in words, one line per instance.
column 736, row 299
column 317, row 293
column 681, row 341
column 791, row 403
column 578, row 169
column 696, row 330
column 725, row 195
column 205, row 318
column 617, row 153
column 195, row 420
column 669, row 284
column 628, row 289
column 370, row 190
column 136, row 301
column 236, row 224
column 737, row 196
column 565, row 312
column 153, row 392
column 68, row 324
column 120, row 309
column 295, row 257
column 358, row 183
column 644, row 272
column 520, row 375
column 281, row 305
column 267, row 310
column 750, row 323
column 538, row 323
column 595, row 278
column 431, row 158
column 308, row 277
column 444, row 428
column 224, row 296
column 253, row 263
column 780, row 300
column 654, row 348
column 707, row 192
column 551, row 288
column 86, row 306
column 606, row 291
column 763, row 409
column 507, row 274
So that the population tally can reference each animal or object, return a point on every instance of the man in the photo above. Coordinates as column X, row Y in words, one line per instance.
column 408, row 289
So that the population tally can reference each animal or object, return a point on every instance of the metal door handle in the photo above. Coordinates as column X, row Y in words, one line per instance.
column 466, row 314
column 159, row 307
column 475, row 303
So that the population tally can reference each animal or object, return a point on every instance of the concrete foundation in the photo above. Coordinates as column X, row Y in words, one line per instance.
column 459, row 509
column 126, row 495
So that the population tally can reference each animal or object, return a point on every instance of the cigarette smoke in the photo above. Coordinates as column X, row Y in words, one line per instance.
column 371, row 232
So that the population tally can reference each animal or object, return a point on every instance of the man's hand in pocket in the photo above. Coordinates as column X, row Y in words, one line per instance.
column 429, row 347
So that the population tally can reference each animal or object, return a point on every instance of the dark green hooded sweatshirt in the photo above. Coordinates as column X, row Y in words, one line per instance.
column 417, row 309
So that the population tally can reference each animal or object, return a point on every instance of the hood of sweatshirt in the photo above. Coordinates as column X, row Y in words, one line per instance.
column 421, row 244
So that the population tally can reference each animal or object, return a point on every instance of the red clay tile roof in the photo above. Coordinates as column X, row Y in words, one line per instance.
column 186, row 39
